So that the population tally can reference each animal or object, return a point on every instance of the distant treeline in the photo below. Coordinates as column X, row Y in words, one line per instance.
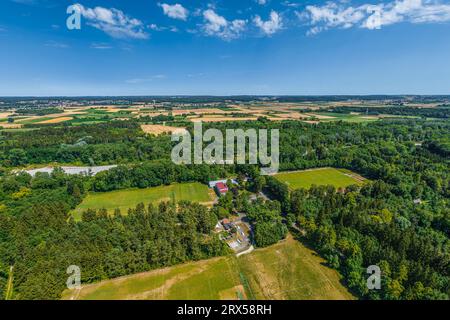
column 123, row 100
column 397, row 110
column 38, row 111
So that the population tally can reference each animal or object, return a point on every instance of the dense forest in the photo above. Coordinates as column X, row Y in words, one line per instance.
column 443, row 112
column 114, row 142
column 366, row 227
column 399, row 220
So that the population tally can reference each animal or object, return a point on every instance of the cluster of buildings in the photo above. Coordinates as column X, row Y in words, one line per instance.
column 235, row 234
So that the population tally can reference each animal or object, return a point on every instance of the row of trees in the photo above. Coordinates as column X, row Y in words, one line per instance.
column 396, row 110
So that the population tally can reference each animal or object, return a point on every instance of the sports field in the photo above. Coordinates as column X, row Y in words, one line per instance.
column 129, row 198
column 339, row 178
column 287, row 270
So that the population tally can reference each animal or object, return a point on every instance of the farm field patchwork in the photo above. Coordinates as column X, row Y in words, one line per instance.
column 287, row 270
column 129, row 198
column 339, row 178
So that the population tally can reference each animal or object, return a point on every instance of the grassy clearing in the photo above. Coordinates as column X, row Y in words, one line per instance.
column 356, row 118
column 290, row 271
column 322, row 176
column 287, row 270
column 207, row 279
column 129, row 198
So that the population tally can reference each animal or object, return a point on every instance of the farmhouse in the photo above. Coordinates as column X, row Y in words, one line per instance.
column 212, row 184
column 220, row 186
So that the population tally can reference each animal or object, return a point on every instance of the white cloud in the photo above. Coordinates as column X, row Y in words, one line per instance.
column 143, row 80
column 290, row 4
column 216, row 25
column 113, row 22
column 270, row 26
column 56, row 44
column 261, row 2
column 101, row 46
column 155, row 27
column 176, row 11
column 374, row 16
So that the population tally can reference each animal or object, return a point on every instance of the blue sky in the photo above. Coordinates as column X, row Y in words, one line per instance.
column 225, row 47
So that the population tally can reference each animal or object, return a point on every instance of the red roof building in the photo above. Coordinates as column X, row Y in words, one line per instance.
column 221, row 188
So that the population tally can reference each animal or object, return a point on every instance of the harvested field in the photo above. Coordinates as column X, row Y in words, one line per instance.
column 56, row 120
column 220, row 119
column 201, row 111
column 10, row 125
column 157, row 129
column 5, row 114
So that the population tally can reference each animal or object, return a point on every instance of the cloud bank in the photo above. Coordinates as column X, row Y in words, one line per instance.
column 270, row 26
column 113, row 22
column 216, row 25
column 176, row 11
column 374, row 16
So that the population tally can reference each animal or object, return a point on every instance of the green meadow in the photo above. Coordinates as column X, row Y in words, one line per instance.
column 322, row 176
column 355, row 118
column 287, row 270
column 129, row 198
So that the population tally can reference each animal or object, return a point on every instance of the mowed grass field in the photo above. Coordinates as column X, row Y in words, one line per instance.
column 287, row 270
column 290, row 271
column 129, row 198
column 339, row 178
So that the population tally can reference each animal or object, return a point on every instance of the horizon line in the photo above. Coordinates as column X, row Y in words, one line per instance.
column 231, row 95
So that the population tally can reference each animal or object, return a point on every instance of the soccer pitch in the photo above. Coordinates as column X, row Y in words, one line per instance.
column 339, row 178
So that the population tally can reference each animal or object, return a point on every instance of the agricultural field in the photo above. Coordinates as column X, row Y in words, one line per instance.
column 339, row 178
column 56, row 120
column 129, row 198
column 287, row 270
column 356, row 118
column 157, row 129
column 309, row 112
